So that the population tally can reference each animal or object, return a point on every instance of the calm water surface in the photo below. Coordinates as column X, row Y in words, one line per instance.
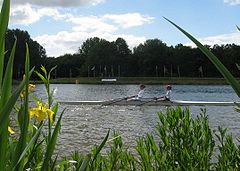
column 85, row 125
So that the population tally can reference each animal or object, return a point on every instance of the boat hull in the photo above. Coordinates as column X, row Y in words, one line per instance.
column 150, row 102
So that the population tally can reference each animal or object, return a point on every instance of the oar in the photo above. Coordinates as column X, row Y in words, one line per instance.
column 115, row 101
column 153, row 99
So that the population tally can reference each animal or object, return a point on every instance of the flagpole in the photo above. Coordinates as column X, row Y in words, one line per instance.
column 178, row 69
column 112, row 70
column 88, row 71
column 156, row 68
column 119, row 71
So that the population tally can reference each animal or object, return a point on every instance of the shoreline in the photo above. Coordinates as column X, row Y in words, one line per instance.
column 138, row 80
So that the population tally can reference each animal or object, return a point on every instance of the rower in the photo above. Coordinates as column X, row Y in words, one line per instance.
column 167, row 96
column 139, row 95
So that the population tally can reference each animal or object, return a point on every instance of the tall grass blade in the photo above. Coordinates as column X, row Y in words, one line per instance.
column 24, row 127
column 4, row 18
column 5, row 95
column 51, row 144
column 101, row 146
column 7, row 108
column 32, row 141
column 85, row 163
column 218, row 64
column 54, row 163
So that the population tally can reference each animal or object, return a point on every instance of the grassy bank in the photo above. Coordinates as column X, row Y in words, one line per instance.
column 142, row 80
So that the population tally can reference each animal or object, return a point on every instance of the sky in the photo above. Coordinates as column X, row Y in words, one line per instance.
column 61, row 26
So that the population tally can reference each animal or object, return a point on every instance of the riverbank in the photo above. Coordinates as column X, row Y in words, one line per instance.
column 140, row 80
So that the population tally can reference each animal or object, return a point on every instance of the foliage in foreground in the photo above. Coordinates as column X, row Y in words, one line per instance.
column 181, row 142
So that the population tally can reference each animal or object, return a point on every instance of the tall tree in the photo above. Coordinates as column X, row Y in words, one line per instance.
column 37, row 52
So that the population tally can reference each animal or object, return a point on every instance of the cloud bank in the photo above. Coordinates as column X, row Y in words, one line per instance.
column 68, row 42
column 219, row 39
column 108, row 26
column 232, row 2
column 58, row 3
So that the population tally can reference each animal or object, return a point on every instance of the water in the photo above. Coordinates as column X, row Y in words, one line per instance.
column 85, row 125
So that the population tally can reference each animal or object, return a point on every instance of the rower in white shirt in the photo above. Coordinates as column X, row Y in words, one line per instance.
column 167, row 96
column 139, row 95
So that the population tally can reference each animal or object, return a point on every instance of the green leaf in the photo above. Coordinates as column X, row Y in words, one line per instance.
column 238, row 66
column 51, row 144
column 55, row 109
column 101, row 146
column 49, row 74
column 24, row 131
column 32, row 141
column 218, row 64
column 7, row 81
column 7, row 108
column 238, row 28
column 4, row 18
column 44, row 71
column 85, row 163
column 5, row 95
column 42, row 77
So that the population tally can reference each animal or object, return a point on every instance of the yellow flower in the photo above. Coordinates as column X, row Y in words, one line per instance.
column 41, row 112
column 50, row 115
column 10, row 130
column 31, row 87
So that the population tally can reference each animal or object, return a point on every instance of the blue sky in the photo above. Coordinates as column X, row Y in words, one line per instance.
column 61, row 26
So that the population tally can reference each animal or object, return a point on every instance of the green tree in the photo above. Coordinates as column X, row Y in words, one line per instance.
column 37, row 52
column 153, row 52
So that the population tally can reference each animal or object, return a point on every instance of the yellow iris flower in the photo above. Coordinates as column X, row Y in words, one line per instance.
column 41, row 112
column 31, row 88
column 10, row 130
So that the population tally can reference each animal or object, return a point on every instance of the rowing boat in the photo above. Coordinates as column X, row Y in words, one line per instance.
column 150, row 102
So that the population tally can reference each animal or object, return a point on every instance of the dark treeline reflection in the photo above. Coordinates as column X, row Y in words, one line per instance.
column 100, row 58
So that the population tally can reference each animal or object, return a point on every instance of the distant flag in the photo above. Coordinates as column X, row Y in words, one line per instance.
column 105, row 70
column 200, row 69
column 164, row 70
column 156, row 69
column 178, row 69
column 112, row 70
column 93, row 68
column 119, row 70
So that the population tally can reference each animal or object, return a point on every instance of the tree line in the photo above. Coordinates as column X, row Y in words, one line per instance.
column 101, row 58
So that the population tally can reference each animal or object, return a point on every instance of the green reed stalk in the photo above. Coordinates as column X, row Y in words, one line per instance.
column 5, row 95
column 4, row 18
column 51, row 144
column 218, row 64
column 24, row 119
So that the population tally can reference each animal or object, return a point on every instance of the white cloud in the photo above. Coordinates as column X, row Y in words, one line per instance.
column 23, row 14
column 109, row 22
column 26, row 14
column 129, row 20
column 58, row 3
column 220, row 40
column 69, row 42
column 232, row 2
column 106, row 26
column 90, row 24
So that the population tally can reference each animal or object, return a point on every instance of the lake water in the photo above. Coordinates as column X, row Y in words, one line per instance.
column 85, row 125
